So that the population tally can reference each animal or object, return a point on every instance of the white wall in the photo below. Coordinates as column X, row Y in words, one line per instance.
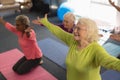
column 103, row 12
column 118, row 15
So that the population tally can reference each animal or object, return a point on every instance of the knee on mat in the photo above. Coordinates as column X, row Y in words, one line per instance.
column 17, row 71
column 21, row 72
column 14, row 69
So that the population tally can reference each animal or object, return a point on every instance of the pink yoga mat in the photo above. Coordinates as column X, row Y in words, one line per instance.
column 9, row 58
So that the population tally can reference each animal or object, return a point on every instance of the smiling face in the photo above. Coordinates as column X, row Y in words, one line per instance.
column 86, row 30
column 69, row 20
column 19, row 26
column 68, row 23
column 80, row 31
column 22, row 22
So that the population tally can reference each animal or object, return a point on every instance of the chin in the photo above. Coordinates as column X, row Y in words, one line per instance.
column 76, row 38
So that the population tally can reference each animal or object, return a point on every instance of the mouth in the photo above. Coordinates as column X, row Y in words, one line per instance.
column 76, row 36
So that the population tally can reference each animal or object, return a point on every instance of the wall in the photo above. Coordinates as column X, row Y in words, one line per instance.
column 118, row 15
column 105, row 13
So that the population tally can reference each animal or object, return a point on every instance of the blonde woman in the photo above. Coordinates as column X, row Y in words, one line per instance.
column 85, row 55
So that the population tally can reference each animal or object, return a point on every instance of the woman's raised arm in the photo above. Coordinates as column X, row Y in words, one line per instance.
column 113, row 4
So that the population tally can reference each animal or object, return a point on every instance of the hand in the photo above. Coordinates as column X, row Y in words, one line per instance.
column 2, row 21
column 37, row 21
column 112, row 3
column 45, row 16
column 1, row 18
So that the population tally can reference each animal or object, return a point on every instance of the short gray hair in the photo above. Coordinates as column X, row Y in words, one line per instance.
column 23, row 19
column 70, row 15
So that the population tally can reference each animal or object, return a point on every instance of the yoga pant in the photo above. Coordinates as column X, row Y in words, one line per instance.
column 24, row 66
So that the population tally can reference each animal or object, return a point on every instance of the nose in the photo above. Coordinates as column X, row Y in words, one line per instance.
column 75, row 30
column 64, row 22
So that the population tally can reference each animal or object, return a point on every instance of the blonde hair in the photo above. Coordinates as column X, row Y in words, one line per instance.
column 70, row 15
column 92, row 29
column 23, row 20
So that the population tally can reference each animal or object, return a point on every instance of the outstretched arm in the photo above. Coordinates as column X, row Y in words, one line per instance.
column 36, row 21
column 113, row 4
column 2, row 21
column 8, row 26
column 54, row 29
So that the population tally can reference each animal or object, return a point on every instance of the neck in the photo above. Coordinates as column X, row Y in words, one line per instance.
column 83, row 44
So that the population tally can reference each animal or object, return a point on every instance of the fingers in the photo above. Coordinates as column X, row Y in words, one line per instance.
column 1, row 17
column 36, row 21
column 46, row 15
column 110, row 1
column 38, row 18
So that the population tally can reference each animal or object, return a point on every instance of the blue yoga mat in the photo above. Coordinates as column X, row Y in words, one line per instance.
column 110, row 75
column 54, row 50
column 112, row 49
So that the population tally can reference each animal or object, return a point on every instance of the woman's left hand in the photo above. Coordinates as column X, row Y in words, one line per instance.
column 36, row 21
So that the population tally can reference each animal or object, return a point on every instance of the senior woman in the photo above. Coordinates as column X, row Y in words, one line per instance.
column 85, row 56
column 67, row 24
column 28, row 43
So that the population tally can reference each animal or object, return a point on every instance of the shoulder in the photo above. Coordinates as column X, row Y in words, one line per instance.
column 32, row 31
column 9, row 24
column 96, row 46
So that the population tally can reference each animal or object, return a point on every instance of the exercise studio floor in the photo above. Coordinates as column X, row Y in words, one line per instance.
column 54, row 51
column 8, row 41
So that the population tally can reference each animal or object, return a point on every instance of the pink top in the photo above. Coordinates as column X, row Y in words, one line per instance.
column 29, row 45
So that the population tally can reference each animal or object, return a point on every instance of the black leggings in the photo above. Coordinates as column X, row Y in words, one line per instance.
column 24, row 66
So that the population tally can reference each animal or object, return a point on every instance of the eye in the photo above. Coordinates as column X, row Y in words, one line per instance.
column 18, row 24
column 76, row 28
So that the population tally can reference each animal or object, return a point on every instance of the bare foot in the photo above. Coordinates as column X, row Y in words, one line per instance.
column 41, row 62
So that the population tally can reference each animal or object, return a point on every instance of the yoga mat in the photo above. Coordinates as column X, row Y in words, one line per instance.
column 110, row 75
column 54, row 50
column 9, row 58
column 112, row 49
